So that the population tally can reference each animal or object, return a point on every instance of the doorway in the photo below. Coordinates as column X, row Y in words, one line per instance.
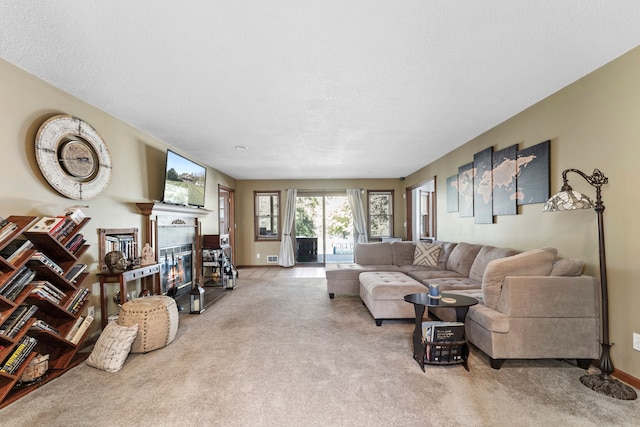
column 323, row 228
column 421, row 211
column 227, row 225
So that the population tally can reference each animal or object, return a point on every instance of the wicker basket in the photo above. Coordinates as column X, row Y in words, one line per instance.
column 36, row 368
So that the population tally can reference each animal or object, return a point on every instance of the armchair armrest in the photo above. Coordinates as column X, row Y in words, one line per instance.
column 550, row 296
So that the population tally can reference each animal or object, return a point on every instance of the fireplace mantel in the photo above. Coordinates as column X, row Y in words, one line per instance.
column 159, row 209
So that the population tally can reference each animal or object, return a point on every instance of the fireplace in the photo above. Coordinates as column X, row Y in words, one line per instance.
column 174, row 233
column 176, row 267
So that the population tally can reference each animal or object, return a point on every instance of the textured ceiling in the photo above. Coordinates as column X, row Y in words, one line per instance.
column 315, row 88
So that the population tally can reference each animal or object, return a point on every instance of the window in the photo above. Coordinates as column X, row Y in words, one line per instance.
column 380, row 213
column 267, row 215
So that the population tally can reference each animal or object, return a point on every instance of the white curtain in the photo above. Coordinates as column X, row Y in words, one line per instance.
column 359, row 217
column 287, row 255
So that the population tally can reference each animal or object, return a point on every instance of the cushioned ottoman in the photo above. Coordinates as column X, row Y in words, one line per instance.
column 157, row 320
column 343, row 278
column 383, row 293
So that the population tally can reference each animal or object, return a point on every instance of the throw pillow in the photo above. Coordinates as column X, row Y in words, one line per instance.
column 112, row 347
column 426, row 254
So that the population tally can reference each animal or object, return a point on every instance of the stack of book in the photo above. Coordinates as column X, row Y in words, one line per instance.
column 76, row 300
column 41, row 325
column 12, row 287
column 17, row 320
column 78, row 329
column 445, row 333
column 15, row 249
column 75, row 243
column 44, row 290
column 39, row 258
column 6, row 228
column 76, row 215
column 59, row 227
column 73, row 274
column 20, row 353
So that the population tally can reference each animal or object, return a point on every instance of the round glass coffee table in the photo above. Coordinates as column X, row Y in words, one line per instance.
column 420, row 301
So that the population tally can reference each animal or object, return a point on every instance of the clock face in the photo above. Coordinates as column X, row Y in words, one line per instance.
column 73, row 158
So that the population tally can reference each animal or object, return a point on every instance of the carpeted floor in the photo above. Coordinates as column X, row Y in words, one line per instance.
column 279, row 352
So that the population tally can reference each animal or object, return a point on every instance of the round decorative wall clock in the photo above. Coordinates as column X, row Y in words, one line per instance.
column 73, row 158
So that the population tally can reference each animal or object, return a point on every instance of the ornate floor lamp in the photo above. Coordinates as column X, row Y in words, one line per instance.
column 567, row 199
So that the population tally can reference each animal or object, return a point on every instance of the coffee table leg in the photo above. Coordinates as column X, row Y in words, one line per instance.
column 418, row 345
column 461, row 314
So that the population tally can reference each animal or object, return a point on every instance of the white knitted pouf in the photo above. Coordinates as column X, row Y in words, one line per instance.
column 157, row 319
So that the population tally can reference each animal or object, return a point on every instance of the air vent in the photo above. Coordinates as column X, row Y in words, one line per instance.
column 272, row 259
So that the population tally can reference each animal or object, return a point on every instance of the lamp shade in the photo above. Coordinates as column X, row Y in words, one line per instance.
column 567, row 200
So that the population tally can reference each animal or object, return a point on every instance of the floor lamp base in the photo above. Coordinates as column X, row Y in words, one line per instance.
column 610, row 386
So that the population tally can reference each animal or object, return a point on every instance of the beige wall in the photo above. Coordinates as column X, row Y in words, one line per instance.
column 247, row 247
column 138, row 165
column 593, row 123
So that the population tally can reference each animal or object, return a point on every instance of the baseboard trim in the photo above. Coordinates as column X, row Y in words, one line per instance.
column 626, row 378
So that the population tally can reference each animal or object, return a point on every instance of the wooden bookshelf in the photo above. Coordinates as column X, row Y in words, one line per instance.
column 61, row 315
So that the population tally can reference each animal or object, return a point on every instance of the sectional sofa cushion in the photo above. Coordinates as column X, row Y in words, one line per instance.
column 392, row 285
column 567, row 267
column 453, row 283
column 426, row 254
column 537, row 262
column 402, row 252
column 423, row 274
column 484, row 257
column 373, row 253
column 445, row 252
column 462, row 257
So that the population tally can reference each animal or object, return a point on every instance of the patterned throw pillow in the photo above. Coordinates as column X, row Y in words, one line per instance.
column 112, row 347
column 426, row 254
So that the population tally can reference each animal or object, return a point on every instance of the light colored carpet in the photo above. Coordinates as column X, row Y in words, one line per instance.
column 279, row 352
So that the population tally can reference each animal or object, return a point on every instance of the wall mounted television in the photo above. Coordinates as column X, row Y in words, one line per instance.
column 184, row 182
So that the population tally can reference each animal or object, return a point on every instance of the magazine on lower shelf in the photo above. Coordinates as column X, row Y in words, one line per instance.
column 442, row 332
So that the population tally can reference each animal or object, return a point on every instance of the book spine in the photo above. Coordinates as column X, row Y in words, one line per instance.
column 75, row 272
column 31, row 343
column 66, row 229
column 13, row 359
column 8, row 230
column 22, row 321
column 19, row 355
column 81, row 330
column 74, row 328
column 79, row 301
column 20, row 285
column 13, row 319
column 11, row 283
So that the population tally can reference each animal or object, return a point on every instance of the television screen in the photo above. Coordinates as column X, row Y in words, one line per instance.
column 184, row 182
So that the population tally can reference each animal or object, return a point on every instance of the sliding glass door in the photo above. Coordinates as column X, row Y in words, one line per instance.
column 323, row 228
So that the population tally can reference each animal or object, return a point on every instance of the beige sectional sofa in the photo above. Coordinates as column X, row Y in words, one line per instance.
column 532, row 304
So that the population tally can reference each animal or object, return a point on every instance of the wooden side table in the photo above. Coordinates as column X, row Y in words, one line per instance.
column 123, row 278
column 422, row 301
